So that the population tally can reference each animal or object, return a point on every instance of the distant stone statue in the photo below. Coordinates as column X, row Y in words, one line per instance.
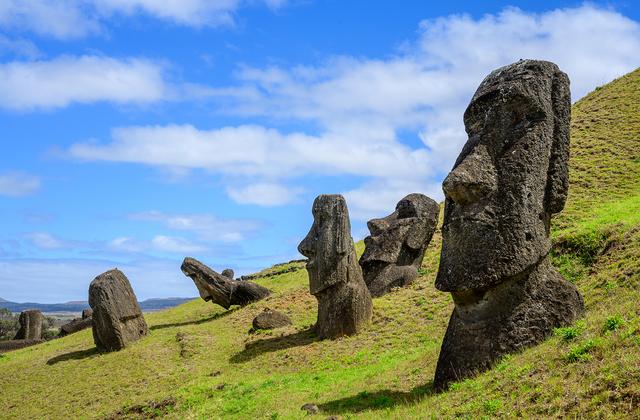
column 220, row 289
column 335, row 278
column 87, row 313
column 228, row 273
column 74, row 326
column 510, row 177
column 395, row 249
column 117, row 318
column 30, row 325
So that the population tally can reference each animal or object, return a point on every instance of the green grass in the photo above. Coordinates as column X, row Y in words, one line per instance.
column 200, row 361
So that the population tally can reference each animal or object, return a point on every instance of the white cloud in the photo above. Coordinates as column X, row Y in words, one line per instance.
column 68, row 19
column 175, row 244
column 21, row 47
column 46, row 240
column 62, row 280
column 85, row 79
column 18, row 184
column 264, row 194
column 365, row 107
column 205, row 226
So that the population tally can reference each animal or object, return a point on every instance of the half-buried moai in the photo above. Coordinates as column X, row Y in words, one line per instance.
column 220, row 289
column 510, row 177
column 117, row 318
column 335, row 278
column 394, row 250
column 30, row 325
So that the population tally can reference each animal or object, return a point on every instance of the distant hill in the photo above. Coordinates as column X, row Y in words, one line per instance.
column 77, row 306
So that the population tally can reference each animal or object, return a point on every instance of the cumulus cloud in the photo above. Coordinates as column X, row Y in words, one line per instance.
column 365, row 111
column 68, row 19
column 18, row 184
column 59, row 82
column 264, row 194
column 205, row 226
column 61, row 280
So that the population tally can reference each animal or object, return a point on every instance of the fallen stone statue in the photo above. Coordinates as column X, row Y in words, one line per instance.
column 117, row 318
column 75, row 325
column 11, row 345
column 510, row 177
column 335, row 278
column 394, row 251
column 220, row 289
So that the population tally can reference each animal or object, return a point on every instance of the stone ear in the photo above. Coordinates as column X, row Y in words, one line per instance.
column 558, row 172
column 342, row 227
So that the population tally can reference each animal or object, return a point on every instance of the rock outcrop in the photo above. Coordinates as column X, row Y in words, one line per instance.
column 30, row 325
column 335, row 278
column 510, row 177
column 270, row 319
column 395, row 249
column 117, row 318
column 219, row 289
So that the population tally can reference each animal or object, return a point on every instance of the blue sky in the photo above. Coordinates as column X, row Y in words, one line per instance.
column 137, row 132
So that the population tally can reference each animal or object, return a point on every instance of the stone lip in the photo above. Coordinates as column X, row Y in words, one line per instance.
column 219, row 289
column 117, row 318
column 395, row 249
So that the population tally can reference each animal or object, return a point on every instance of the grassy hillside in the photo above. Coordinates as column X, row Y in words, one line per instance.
column 201, row 362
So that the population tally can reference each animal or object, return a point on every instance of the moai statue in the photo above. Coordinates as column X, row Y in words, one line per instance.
column 510, row 177
column 117, row 318
column 335, row 278
column 394, row 250
column 219, row 289
column 227, row 272
column 30, row 325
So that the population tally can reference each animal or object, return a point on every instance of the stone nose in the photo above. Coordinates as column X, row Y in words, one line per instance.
column 473, row 179
column 307, row 245
column 377, row 226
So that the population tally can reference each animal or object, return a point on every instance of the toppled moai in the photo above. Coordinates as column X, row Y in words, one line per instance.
column 117, row 318
column 395, row 249
column 30, row 325
column 510, row 177
column 75, row 326
column 270, row 319
column 220, row 289
column 335, row 278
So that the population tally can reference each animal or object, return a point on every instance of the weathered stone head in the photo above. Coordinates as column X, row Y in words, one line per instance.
column 394, row 250
column 335, row 278
column 30, row 325
column 510, row 177
column 328, row 245
column 219, row 289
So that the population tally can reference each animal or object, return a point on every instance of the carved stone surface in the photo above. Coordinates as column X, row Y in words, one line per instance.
column 228, row 273
column 30, row 325
column 75, row 325
column 394, row 250
column 87, row 313
column 335, row 278
column 510, row 177
column 270, row 319
column 117, row 318
column 219, row 289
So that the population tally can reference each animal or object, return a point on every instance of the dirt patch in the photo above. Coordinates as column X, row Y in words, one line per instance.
column 148, row 410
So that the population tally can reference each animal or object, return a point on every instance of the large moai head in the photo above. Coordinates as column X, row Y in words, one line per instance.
column 328, row 244
column 394, row 250
column 510, row 177
column 30, row 325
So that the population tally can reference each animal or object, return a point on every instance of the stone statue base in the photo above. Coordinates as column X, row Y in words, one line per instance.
column 514, row 315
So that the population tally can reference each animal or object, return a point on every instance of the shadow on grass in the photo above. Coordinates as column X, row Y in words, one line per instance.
column 198, row 322
column 376, row 400
column 74, row 355
column 268, row 345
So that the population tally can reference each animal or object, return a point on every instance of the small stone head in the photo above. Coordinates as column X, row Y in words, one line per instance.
column 410, row 226
column 328, row 243
column 509, row 178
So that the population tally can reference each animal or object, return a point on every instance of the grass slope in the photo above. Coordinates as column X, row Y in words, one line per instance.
column 201, row 362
